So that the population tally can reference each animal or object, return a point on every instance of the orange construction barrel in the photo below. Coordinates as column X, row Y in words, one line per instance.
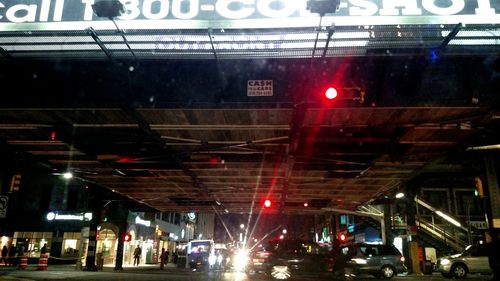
column 42, row 262
column 24, row 262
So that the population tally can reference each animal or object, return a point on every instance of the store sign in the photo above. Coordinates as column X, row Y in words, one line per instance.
column 69, row 217
column 203, row 14
column 85, row 232
column 173, row 236
column 191, row 216
column 4, row 202
column 496, row 223
column 138, row 220
column 15, row 183
column 479, row 224
column 260, row 88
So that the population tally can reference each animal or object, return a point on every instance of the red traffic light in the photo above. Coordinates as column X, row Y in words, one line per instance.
column 126, row 237
column 342, row 237
column 331, row 93
column 267, row 203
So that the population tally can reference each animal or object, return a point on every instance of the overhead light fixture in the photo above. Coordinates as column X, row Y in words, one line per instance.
column 484, row 147
column 68, row 175
column 323, row 7
column 400, row 195
column 108, row 8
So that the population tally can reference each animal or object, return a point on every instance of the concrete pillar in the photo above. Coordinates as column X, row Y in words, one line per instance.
column 90, row 264
column 493, row 193
column 95, row 204
column 492, row 201
column 387, row 220
column 119, row 250
column 412, row 245
column 119, row 218
column 414, row 262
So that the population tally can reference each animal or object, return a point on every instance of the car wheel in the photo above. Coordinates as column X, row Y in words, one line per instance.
column 387, row 272
column 459, row 271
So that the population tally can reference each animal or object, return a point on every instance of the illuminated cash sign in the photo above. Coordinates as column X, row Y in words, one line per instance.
column 202, row 14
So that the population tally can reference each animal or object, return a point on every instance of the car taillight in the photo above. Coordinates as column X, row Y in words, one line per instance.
column 402, row 259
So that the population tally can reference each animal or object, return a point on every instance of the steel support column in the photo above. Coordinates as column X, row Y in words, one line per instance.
column 493, row 209
column 119, row 249
column 95, row 205
column 386, row 227
column 493, row 192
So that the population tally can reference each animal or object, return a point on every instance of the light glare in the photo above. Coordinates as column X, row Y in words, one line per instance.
column 448, row 218
column 267, row 203
column 331, row 93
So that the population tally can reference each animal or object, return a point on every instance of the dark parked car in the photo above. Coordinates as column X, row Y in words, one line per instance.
column 284, row 259
column 382, row 261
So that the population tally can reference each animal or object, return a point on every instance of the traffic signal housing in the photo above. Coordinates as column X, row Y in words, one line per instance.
column 479, row 187
column 104, row 215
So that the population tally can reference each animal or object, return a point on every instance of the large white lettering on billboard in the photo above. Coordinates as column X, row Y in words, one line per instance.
column 203, row 14
column 22, row 11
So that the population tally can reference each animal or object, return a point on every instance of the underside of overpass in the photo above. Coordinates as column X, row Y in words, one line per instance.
column 169, row 119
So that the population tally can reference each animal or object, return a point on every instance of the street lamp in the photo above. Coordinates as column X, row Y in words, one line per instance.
column 68, row 175
column 400, row 195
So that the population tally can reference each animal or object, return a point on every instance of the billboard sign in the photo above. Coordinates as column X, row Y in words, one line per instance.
column 203, row 14
column 4, row 203
column 260, row 88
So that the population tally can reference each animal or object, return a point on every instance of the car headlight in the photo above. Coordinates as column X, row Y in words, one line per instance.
column 212, row 259
column 445, row 261
column 359, row 261
column 240, row 260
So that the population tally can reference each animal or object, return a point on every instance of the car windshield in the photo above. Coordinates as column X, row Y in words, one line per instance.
column 274, row 137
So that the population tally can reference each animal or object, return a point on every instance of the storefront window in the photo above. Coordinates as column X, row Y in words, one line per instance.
column 33, row 242
column 107, row 245
column 71, row 244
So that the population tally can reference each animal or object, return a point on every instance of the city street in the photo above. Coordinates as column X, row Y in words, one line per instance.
column 151, row 273
column 249, row 140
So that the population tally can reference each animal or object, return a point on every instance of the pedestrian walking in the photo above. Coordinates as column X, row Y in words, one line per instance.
column 167, row 254
column 44, row 249
column 137, row 255
column 162, row 258
column 175, row 257
column 5, row 252
column 21, row 251
column 12, row 254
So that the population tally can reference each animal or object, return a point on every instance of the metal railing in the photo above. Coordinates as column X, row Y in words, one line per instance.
column 447, row 237
column 450, row 233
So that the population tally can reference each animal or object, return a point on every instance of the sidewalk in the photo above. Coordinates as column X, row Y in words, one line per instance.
column 63, row 272
column 149, row 268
